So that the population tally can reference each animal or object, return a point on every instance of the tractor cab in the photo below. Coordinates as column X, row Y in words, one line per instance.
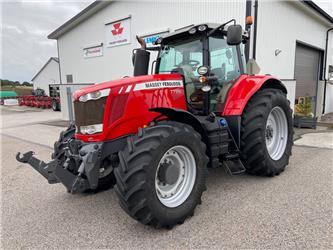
column 209, row 57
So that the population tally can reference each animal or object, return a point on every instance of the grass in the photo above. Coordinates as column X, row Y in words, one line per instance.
column 20, row 90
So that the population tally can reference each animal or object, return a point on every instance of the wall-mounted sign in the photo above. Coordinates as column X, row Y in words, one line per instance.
column 93, row 51
column 118, row 32
column 150, row 39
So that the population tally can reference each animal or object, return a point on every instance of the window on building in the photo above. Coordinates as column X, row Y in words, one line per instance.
column 69, row 78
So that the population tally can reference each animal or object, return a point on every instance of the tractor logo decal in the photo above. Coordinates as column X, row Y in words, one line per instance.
column 118, row 33
column 117, row 29
column 158, row 85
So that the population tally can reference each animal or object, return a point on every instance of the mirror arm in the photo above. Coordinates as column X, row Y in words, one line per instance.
column 221, row 26
column 153, row 48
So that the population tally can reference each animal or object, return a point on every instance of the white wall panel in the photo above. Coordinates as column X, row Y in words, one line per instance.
column 280, row 25
column 291, row 89
column 329, row 99
column 49, row 75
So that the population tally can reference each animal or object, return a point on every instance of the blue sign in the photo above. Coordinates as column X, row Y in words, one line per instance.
column 151, row 39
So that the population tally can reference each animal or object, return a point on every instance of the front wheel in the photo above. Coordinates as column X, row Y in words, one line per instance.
column 267, row 133
column 161, row 175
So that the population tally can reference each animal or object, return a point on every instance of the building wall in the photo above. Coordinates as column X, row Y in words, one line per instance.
column 329, row 98
column 280, row 25
column 147, row 17
column 49, row 75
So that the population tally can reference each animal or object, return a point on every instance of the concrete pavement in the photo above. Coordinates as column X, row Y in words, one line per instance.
column 293, row 210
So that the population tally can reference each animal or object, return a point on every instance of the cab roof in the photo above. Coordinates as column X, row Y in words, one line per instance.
column 184, row 32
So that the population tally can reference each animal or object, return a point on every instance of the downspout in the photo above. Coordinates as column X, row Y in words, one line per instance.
column 255, row 29
column 325, row 64
column 59, row 61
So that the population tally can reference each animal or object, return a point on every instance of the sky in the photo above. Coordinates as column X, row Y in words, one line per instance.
column 25, row 24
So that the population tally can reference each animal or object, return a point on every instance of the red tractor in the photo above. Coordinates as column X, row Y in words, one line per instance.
column 154, row 136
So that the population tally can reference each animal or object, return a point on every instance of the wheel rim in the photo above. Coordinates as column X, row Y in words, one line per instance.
column 276, row 133
column 175, row 176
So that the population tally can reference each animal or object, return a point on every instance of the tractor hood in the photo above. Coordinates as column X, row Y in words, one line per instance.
column 123, row 82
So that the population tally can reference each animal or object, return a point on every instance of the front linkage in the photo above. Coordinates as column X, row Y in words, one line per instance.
column 78, row 167
column 56, row 172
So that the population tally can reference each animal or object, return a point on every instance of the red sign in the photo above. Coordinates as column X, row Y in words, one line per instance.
column 118, row 32
column 117, row 29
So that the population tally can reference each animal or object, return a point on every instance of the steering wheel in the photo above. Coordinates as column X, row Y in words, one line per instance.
column 191, row 62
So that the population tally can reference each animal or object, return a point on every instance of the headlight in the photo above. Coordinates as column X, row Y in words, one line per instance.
column 91, row 129
column 202, row 70
column 94, row 95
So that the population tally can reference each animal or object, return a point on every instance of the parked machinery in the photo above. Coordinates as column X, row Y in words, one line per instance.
column 154, row 136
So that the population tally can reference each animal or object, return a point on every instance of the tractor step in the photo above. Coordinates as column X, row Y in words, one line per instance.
column 231, row 156
column 234, row 165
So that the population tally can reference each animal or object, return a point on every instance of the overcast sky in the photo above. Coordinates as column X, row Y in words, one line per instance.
column 24, row 28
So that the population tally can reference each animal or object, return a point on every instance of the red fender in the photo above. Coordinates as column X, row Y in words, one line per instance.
column 245, row 87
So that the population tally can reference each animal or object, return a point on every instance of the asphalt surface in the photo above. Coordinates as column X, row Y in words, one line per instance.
column 293, row 210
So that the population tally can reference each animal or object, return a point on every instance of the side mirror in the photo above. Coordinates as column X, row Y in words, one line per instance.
column 133, row 56
column 234, row 34
column 141, row 62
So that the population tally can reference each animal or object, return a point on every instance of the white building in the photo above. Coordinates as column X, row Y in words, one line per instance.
column 48, row 74
column 288, row 39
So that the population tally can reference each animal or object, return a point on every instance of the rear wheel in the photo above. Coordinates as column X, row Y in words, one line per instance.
column 55, row 105
column 267, row 133
column 161, row 175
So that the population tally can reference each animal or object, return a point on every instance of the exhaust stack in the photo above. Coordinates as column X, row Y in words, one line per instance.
column 140, row 58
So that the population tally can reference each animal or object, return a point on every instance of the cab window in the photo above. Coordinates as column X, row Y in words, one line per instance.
column 224, row 66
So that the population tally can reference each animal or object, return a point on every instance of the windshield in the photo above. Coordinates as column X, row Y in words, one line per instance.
column 185, row 54
column 185, row 58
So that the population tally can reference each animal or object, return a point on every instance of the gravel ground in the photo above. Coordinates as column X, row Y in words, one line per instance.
column 293, row 210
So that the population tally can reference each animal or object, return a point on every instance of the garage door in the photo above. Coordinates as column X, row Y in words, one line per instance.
column 306, row 74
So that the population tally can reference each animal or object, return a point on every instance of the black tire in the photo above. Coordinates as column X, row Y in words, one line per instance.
column 254, row 152
column 135, row 174
column 104, row 183
column 55, row 105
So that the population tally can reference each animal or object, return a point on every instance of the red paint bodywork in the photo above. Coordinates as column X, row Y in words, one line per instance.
column 240, row 93
column 135, row 112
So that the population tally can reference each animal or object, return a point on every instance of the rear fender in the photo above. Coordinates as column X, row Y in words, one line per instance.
column 245, row 88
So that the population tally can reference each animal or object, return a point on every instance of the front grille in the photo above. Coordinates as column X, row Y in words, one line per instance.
column 89, row 113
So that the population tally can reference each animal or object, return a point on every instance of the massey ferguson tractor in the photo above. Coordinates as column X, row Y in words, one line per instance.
column 153, row 136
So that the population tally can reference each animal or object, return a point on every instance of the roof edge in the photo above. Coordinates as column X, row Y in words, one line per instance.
column 319, row 10
column 56, row 59
column 78, row 18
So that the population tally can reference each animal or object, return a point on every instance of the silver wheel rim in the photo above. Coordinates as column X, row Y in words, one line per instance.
column 182, row 159
column 276, row 133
